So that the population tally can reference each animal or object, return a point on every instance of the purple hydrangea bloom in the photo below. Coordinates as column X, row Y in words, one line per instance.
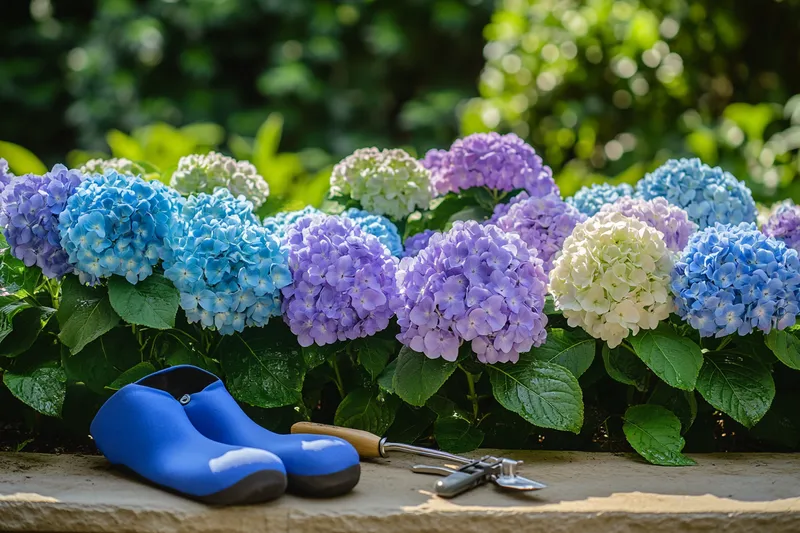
column 474, row 283
column 542, row 222
column 434, row 161
column 784, row 224
column 29, row 210
column 589, row 199
column 498, row 162
column 5, row 175
column 672, row 221
column 343, row 281
column 417, row 242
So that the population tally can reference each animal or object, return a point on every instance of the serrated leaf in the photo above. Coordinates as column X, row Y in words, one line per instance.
column 739, row 386
column 655, row 433
column 386, row 379
column 417, row 377
column 574, row 350
column 544, row 394
column 374, row 353
column 786, row 347
column 264, row 366
column 623, row 366
column 133, row 374
column 675, row 359
column 103, row 360
column 152, row 302
column 41, row 387
column 456, row 435
column 84, row 315
column 363, row 409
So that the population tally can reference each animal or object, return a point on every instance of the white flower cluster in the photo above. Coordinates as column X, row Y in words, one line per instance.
column 205, row 173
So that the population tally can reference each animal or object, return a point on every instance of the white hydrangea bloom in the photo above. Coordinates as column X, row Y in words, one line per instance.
column 120, row 165
column 385, row 182
column 204, row 173
column 612, row 277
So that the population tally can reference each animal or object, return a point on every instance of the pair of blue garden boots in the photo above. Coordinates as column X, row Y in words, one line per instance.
column 180, row 429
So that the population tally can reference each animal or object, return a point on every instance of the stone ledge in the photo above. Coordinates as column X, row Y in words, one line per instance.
column 587, row 492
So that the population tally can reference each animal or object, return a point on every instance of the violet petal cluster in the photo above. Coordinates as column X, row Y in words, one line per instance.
column 590, row 199
column 29, row 209
column 378, row 226
column 5, row 175
column 417, row 242
column 498, row 162
column 658, row 213
column 434, row 161
column 784, row 224
column 542, row 222
column 477, row 284
column 343, row 281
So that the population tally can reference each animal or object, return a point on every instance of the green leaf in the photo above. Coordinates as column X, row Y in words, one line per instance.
column 417, row 377
column 20, row 325
column 655, row 433
column 263, row 368
column 386, row 379
column 623, row 366
column 544, row 394
column 21, row 160
column 753, row 119
column 316, row 355
column 204, row 133
column 682, row 403
column 456, row 435
column 741, row 387
column 84, row 315
column 363, row 409
column 103, row 360
column 145, row 368
column 125, row 146
column 181, row 355
column 410, row 423
column 276, row 171
column 675, row 359
column 41, row 387
column 786, row 347
column 374, row 353
column 152, row 302
column 473, row 212
column 574, row 350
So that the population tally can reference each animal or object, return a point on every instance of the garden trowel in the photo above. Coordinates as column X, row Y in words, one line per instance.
column 468, row 473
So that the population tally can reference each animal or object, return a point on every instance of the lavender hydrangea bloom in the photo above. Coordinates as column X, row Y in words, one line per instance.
column 228, row 269
column 670, row 220
column 784, row 225
column 5, row 175
column 709, row 195
column 29, row 209
column 381, row 227
column 418, row 241
column 117, row 224
column 474, row 283
column 434, row 161
column 589, row 200
column 542, row 222
column 343, row 281
column 733, row 278
column 498, row 162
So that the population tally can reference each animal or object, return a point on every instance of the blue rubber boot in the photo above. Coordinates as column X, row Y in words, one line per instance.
column 144, row 428
column 316, row 466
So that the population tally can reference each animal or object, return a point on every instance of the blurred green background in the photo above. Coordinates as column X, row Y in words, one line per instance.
column 604, row 89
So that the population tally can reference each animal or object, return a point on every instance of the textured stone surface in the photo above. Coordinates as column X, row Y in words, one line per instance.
column 587, row 492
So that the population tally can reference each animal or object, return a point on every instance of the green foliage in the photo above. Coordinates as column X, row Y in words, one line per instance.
column 152, row 302
column 673, row 358
column 655, row 433
column 416, row 378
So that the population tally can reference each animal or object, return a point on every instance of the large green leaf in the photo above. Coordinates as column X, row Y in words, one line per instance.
column 364, row 409
column 544, row 394
column 456, row 434
column 622, row 365
column 417, row 377
column 20, row 325
column 84, row 315
column 264, row 368
column 786, row 347
column 42, row 387
column 742, row 387
column 152, row 302
column 21, row 160
column 675, row 359
column 655, row 433
column 374, row 353
column 574, row 350
column 386, row 378
column 409, row 423
column 103, row 360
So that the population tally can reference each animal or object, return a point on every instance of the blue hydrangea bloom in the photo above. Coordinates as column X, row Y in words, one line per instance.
column 29, row 209
column 278, row 224
column 343, row 281
column 117, row 224
column 418, row 242
column 589, row 200
column 733, row 278
column 379, row 226
column 219, row 205
column 708, row 195
column 5, row 175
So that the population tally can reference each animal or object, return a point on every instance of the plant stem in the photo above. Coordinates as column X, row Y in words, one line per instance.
column 723, row 344
column 472, row 397
column 339, row 384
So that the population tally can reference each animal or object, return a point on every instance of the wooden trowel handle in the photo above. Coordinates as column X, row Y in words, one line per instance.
column 365, row 443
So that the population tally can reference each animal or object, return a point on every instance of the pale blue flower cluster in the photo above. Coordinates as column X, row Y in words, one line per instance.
column 278, row 224
column 115, row 224
column 5, row 175
column 708, row 195
column 379, row 226
column 229, row 270
column 590, row 199
column 733, row 278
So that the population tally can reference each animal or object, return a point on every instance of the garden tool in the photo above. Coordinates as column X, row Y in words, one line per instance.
column 316, row 466
column 500, row 471
column 144, row 428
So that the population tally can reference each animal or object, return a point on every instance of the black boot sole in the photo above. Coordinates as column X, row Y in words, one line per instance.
column 326, row 486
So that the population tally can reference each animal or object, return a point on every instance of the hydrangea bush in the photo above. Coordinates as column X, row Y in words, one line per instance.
column 205, row 173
